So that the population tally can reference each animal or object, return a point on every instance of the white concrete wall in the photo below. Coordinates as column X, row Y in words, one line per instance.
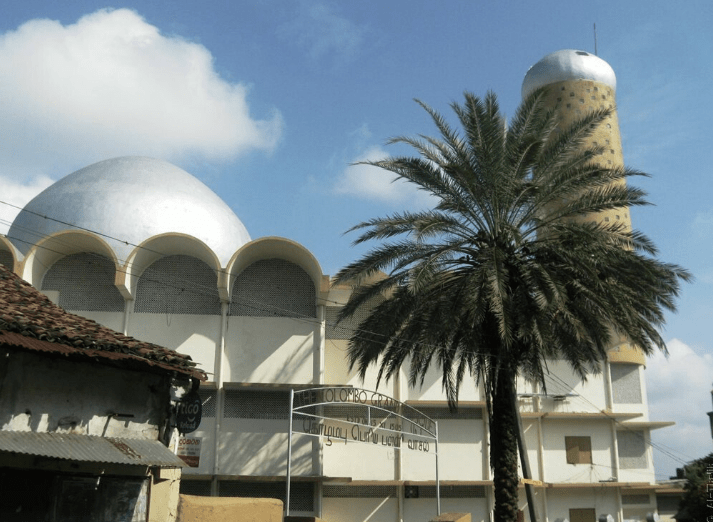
column 259, row 447
column 269, row 350
column 361, row 509
column 113, row 320
column 194, row 335
column 424, row 509
column 460, row 453
column 532, row 443
column 360, row 461
column 555, row 456
column 337, row 371
column 590, row 396
column 602, row 500
column 432, row 389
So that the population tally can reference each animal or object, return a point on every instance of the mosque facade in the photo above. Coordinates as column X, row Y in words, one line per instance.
column 146, row 249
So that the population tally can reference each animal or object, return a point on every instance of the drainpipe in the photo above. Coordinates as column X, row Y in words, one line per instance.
column 398, row 469
column 219, row 394
column 318, row 378
column 128, row 309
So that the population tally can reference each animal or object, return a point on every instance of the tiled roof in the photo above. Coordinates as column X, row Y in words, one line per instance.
column 29, row 320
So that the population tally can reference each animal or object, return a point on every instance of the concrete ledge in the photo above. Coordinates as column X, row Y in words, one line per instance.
column 452, row 517
column 193, row 508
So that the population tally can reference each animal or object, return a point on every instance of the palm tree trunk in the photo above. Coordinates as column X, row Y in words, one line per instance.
column 503, row 447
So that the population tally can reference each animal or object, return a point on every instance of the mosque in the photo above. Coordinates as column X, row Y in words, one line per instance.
column 145, row 248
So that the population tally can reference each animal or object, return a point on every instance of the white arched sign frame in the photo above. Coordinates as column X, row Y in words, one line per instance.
column 376, row 419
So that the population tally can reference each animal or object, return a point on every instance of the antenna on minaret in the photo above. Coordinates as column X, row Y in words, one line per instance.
column 595, row 40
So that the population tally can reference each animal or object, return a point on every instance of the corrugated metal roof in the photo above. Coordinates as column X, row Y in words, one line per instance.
column 88, row 448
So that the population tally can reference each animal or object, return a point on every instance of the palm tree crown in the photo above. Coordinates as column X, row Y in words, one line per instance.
column 506, row 270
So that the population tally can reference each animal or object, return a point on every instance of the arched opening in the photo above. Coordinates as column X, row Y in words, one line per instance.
column 178, row 284
column 85, row 282
column 273, row 288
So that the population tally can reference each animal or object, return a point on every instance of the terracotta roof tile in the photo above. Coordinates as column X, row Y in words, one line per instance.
column 29, row 320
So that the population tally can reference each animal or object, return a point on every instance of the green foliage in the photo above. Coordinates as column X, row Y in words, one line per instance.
column 503, row 273
column 697, row 501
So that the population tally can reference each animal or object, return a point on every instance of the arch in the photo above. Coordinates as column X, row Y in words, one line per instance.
column 170, row 244
column 178, row 284
column 273, row 288
column 275, row 277
column 85, row 281
column 278, row 248
column 52, row 248
column 9, row 255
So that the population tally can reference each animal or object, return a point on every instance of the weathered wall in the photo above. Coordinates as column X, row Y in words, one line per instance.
column 165, row 485
column 228, row 509
column 48, row 394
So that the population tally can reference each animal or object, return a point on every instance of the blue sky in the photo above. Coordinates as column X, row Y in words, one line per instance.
column 270, row 102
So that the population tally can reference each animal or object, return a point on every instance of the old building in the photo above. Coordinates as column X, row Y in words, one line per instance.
column 83, row 413
column 143, row 247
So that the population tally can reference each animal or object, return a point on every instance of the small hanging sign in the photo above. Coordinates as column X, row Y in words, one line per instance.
column 188, row 413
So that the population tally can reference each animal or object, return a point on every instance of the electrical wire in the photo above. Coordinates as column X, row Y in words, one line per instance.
column 258, row 306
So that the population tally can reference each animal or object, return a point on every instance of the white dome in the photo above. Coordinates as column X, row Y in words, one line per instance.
column 568, row 64
column 131, row 199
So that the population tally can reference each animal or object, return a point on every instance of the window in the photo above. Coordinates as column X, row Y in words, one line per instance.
column 301, row 493
column 257, row 404
column 626, row 384
column 579, row 450
column 632, row 449
column 582, row 515
column 641, row 498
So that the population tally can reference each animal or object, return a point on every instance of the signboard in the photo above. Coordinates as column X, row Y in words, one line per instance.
column 343, row 415
column 188, row 413
column 189, row 450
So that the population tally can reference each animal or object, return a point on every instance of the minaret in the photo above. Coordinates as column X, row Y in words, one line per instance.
column 578, row 82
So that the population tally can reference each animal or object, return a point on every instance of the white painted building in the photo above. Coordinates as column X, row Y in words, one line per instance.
column 143, row 247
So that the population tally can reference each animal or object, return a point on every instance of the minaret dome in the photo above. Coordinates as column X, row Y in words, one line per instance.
column 568, row 65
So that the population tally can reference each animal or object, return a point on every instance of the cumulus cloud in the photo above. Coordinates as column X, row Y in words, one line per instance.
column 368, row 182
column 111, row 84
column 679, row 390
column 16, row 195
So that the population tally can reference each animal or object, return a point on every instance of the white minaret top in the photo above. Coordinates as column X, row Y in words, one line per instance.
column 568, row 64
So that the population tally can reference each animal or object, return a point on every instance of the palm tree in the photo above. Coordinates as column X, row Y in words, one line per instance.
column 503, row 273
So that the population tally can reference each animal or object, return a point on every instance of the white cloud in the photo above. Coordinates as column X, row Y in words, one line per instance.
column 111, row 84
column 373, row 183
column 703, row 223
column 16, row 195
column 321, row 32
column 679, row 390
